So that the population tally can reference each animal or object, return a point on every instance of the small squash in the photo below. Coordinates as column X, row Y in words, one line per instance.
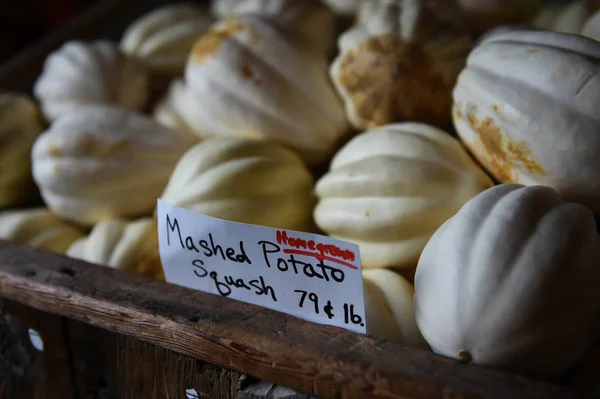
column 163, row 38
column 389, row 189
column 525, row 106
column 38, row 228
column 311, row 18
column 20, row 125
column 244, row 181
column 511, row 281
column 252, row 78
column 399, row 65
column 104, row 162
column 82, row 73
column 131, row 246
column 389, row 307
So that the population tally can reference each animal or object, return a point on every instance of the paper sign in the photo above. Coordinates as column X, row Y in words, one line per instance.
column 309, row 276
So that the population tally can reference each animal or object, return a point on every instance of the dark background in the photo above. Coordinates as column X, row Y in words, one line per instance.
column 24, row 21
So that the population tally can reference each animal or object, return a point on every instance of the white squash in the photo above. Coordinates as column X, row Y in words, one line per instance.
column 526, row 107
column 244, row 181
column 483, row 15
column 401, row 64
column 177, row 110
column 311, row 18
column 347, row 8
column 447, row 11
column 511, row 281
column 104, row 162
column 591, row 28
column 38, row 228
column 389, row 189
column 389, row 307
column 20, row 125
column 126, row 245
column 163, row 38
column 252, row 79
column 81, row 73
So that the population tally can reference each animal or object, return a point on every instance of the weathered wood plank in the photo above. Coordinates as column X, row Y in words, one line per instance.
column 321, row 360
column 41, row 374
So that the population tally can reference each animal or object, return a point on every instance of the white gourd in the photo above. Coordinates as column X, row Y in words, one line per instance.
column 252, row 79
column 483, row 15
column 89, row 73
column 389, row 189
column 20, row 125
column 526, row 107
column 311, row 18
column 511, row 281
column 105, row 162
column 244, row 181
column 399, row 65
column 177, row 110
column 163, row 38
column 131, row 246
column 38, row 228
column 389, row 307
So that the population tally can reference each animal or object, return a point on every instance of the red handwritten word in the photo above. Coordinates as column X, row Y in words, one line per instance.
column 322, row 249
column 318, row 256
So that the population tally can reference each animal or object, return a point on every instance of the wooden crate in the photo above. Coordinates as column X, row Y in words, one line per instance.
column 109, row 334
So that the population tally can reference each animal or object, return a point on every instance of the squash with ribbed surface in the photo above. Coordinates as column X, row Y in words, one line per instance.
column 244, row 181
column 526, row 107
column 389, row 189
column 105, row 162
column 511, row 281
column 252, row 79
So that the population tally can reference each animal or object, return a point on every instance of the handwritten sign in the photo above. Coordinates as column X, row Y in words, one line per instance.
column 309, row 276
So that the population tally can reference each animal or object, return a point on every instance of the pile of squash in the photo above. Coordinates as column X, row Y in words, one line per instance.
column 459, row 150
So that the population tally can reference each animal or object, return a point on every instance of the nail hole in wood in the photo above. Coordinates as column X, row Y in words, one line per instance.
column 69, row 271
column 194, row 319
column 31, row 273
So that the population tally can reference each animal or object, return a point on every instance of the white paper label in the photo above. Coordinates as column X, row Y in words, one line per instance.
column 309, row 276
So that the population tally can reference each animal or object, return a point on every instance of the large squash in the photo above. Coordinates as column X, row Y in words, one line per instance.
column 526, row 107
column 20, row 125
column 244, row 181
column 511, row 281
column 389, row 189
column 105, row 162
column 89, row 73
column 399, row 65
column 253, row 78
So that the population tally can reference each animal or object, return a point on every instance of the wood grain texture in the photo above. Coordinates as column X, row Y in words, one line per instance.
column 324, row 361
column 49, row 376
